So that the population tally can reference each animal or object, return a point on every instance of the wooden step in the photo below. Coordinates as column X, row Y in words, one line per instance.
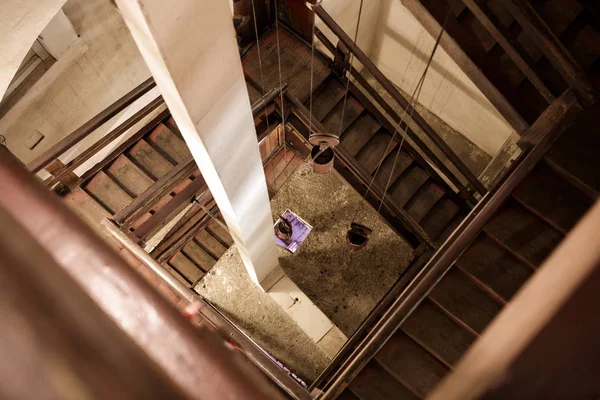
column 172, row 125
column 439, row 217
column 424, row 200
column 327, row 99
column 373, row 152
column 186, row 268
column 402, row 160
column 211, row 245
column 523, row 232
column 417, row 368
column 359, row 133
column 494, row 267
column 351, row 112
column 553, row 197
column 199, row 257
column 149, row 160
column 374, row 383
column 219, row 233
column 408, row 184
column 129, row 176
column 168, row 144
column 438, row 333
column 460, row 296
column 451, row 227
column 112, row 197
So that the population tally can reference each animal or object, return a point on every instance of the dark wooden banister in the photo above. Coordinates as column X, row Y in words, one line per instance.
column 563, row 111
column 86, row 129
column 399, row 98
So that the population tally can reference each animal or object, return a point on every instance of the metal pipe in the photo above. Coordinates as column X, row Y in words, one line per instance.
column 566, row 106
column 199, row 365
column 396, row 95
column 252, row 350
column 267, row 98
column 86, row 129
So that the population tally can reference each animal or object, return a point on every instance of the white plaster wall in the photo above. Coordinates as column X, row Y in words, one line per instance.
column 447, row 91
column 345, row 13
column 111, row 66
column 21, row 21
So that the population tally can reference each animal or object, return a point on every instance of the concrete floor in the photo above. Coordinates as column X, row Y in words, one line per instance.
column 344, row 285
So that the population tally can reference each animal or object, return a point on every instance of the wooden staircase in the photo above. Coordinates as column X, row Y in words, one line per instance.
column 511, row 247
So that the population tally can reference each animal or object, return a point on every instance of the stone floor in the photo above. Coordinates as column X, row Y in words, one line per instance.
column 344, row 285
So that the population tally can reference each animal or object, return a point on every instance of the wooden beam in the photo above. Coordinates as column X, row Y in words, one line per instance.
column 552, row 48
column 544, row 344
column 468, row 66
column 489, row 22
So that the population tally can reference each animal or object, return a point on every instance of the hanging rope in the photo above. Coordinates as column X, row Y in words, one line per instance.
column 411, row 104
column 260, row 68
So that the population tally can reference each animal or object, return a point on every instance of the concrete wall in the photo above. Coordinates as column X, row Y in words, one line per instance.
column 447, row 91
column 21, row 21
column 345, row 13
column 110, row 67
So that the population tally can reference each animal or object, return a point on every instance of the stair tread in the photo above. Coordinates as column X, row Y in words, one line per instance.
column 418, row 369
column 327, row 99
column 185, row 267
column 439, row 217
column 172, row 125
column 359, row 133
column 403, row 161
column 462, row 298
column 494, row 267
column 107, row 192
column 522, row 232
column 554, row 198
column 200, row 257
column 219, row 232
column 374, row 383
column 168, row 143
column 372, row 153
column 210, row 244
column 438, row 333
column 351, row 112
column 408, row 184
column 149, row 160
column 129, row 176
column 451, row 227
column 424, row 200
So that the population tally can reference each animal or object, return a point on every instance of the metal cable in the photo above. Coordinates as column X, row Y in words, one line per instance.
column 262, row 77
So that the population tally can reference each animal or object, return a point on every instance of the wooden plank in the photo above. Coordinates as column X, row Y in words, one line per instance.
column 211, row 245
column 160, row 188
column 541, row 345
column 129, row 176
column 444, row 338
column 359, row 134
column 524, row 233
column 553, row 197
column 169, row 144
column 474, row 73
column 408, row 185
column 457, row 294
column 418, row 369
column 219, row 233
column 552, row 48
column 439, row 217
column 351, row 111
column 374, row 151
column 150, row 160
column 494, row 267
column 424, row 200
column 373, row 383
column 487, row 19
column 186, row 267
column 107, row 193
column 288, row 171
column 324, row 101
column 200, row 257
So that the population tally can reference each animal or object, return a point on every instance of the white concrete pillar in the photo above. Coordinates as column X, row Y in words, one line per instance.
column 191, row 49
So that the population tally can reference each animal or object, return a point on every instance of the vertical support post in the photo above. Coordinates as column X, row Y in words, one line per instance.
column 191, row 49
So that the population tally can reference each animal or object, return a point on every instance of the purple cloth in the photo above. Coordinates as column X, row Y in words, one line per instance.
column 300, row 230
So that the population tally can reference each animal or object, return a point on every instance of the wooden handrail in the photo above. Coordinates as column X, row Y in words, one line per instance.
column 86, row 129
column 399, row 98
column 566, row 107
